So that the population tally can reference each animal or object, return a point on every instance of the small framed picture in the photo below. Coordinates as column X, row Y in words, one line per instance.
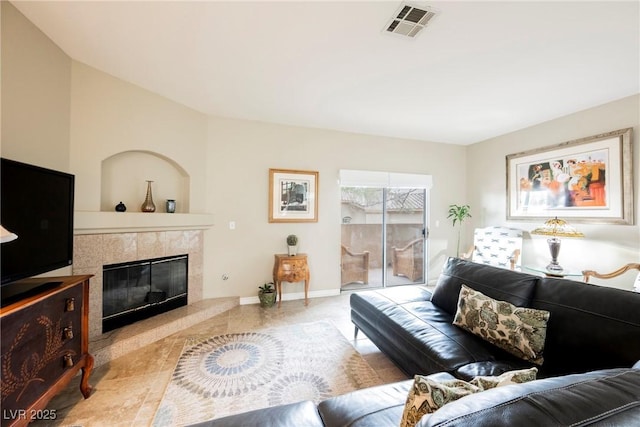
column 293, row 196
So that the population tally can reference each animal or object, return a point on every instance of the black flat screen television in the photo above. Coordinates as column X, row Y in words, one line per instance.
column 37, row 205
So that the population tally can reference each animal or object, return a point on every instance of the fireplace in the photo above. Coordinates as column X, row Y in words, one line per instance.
column 141, row 289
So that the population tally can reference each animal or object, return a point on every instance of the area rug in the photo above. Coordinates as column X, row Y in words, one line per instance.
column 234, row 373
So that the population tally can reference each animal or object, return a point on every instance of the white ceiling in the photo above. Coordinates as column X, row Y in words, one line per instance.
column 481, row 69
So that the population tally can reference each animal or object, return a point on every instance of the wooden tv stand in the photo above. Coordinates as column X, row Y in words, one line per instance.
column 45, row 342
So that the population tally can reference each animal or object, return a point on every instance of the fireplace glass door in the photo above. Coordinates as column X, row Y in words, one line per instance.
column 141, row 289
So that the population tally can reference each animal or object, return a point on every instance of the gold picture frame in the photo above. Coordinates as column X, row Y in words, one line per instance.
column 588, row 180
column 293, row 195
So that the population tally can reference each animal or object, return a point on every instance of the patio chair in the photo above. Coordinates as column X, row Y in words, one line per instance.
column 497, row 246
column 408, row 261
column 354, row 266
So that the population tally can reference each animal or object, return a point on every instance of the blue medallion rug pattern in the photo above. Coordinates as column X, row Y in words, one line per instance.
column 234, row 373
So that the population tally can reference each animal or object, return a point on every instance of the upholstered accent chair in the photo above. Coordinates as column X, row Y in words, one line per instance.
column 587, row 274
column 408, row 261
column 354, row 266
column 497, row 246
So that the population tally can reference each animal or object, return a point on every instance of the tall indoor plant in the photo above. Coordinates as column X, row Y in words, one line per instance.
column 459, row 214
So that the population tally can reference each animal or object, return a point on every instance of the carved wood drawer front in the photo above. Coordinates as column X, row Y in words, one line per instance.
column 40, row 343
column 294, row 270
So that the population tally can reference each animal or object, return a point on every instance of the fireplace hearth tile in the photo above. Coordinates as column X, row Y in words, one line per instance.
column 122, row 341
column 184, row 241
column 87, row 251
column 92, row 251
column 120, row 248
column 151, row 245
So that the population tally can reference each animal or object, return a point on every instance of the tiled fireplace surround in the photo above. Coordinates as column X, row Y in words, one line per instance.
column 92, row 251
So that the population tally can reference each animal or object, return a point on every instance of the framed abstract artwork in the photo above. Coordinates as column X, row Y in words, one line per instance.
column 293, row 196
column 585, row 180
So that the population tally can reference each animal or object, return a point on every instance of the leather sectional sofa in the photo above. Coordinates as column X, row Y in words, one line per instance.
column 600, row 398
column 588, row 376
column 590, row 327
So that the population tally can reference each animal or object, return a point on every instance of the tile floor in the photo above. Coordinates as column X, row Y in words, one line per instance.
column 128, row 390
column 375, row 281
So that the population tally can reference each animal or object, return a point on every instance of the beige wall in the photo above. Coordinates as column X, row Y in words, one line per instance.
column 36, row 97
column 605, row 247
column 231, row 158
column 110, row 116
column 239, row 157
column 227, row 160
column 35, row 94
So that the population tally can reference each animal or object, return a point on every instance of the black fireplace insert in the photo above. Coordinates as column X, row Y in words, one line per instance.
column 138, row 290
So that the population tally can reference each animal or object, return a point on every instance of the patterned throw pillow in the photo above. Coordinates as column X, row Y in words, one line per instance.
column 519, row 330
column 427, row 396
column 508, row 378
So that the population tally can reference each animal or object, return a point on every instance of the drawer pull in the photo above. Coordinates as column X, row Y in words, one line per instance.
column 70, row 304
column 68, row 360
column 68, row 332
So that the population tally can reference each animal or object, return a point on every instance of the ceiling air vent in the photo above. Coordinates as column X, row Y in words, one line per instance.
column 410, row 20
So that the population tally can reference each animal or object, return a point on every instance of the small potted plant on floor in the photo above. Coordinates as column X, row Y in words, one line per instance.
column 267, row 295
column 292, row 243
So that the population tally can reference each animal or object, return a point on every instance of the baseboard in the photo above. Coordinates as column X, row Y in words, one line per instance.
column 294, row 296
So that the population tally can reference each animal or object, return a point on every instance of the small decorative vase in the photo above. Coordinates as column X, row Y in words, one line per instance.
column 148, row 205
column 120, row 207
column 171, row 206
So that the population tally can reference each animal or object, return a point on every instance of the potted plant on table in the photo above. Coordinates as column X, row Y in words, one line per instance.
column 459, row 214
column 292, row 243
column 267, row 295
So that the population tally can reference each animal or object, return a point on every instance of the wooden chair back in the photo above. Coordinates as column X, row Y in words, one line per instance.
column 587, row 274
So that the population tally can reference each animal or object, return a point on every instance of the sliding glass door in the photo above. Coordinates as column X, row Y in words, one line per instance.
column 405, row 236
column 383, row 236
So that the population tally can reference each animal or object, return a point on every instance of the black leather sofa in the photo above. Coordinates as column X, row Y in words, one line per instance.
column 593, row 339
column 590, row 327
column 599, row 398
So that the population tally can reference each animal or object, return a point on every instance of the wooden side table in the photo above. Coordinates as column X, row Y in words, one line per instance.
column 292, row 269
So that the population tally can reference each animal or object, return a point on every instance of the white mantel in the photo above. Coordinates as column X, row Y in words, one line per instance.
column 86, row 222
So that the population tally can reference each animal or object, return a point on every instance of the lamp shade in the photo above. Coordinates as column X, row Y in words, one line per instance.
column 6, row 235
column 557, row 228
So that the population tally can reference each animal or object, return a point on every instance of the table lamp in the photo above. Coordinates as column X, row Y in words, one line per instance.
column 6, row 235
column 556, row 228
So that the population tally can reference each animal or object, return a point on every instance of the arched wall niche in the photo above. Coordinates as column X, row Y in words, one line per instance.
column 124, row 176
